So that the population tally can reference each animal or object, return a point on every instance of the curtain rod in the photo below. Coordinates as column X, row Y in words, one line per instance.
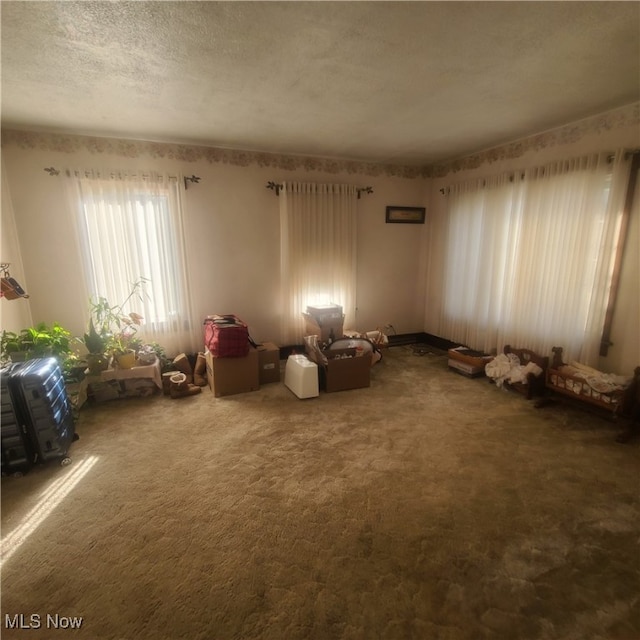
column 629, row 154
column 52, row 171
column 277, row 187
column 193, row 179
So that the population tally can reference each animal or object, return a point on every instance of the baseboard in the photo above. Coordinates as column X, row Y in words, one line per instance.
column 400, row 339
column 422, row 337
column 395, row 340
column 440, row 343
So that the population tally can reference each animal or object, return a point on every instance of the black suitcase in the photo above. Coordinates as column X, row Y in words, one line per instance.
column 17, row 452
column 42, row 405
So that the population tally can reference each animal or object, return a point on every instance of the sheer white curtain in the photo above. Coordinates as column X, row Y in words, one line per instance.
column 530, row 257
column 318, row 251
column 483, row 224
column 130, row 226
column 568, row 242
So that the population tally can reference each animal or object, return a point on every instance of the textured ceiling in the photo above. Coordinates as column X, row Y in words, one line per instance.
column 393, row 82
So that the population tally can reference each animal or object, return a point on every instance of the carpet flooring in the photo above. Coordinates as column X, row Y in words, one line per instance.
column 427, row 506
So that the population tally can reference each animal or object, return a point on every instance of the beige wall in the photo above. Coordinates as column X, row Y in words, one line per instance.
column 232, row 228
column 232, row 236
column 595, row 135
column 14, row 314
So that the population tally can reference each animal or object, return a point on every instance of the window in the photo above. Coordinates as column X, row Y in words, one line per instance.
column 530, row 257
column 131, row 228
column 318, row 251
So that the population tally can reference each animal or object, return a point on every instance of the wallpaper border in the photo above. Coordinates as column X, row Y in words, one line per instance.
column 72, row 143
column 626, row 116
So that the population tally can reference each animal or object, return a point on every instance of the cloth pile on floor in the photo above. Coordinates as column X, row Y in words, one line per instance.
column 507, row 368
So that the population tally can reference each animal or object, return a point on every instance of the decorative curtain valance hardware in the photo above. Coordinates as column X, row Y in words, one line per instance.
column 192, row 178
column 118, row 175
column 563, row 166
column 274, row 186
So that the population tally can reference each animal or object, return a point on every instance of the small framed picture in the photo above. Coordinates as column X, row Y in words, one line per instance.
column 405, row 215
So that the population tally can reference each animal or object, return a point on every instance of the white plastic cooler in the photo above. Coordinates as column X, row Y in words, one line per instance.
column 301, row 376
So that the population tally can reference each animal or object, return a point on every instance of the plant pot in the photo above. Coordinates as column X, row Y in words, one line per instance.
column 126, row 360
column 97, row 362
column 146, row 358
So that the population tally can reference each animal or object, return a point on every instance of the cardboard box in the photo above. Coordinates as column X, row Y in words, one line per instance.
column 139, row 387
column 114, row 384
column 325, row 313
column 343, row 370
column 78, row 392
column 268, row 362
column 100, row 391
column 323, row 329
column 228, row 376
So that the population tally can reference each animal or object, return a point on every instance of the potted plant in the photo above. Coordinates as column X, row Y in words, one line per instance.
column 11, row 347
column 123, row 345
column 39, row 341
column 97, row 358
column 73, row 369
column 43, row 341
column 150, row 352
column 147, row 354
column 112, row 331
